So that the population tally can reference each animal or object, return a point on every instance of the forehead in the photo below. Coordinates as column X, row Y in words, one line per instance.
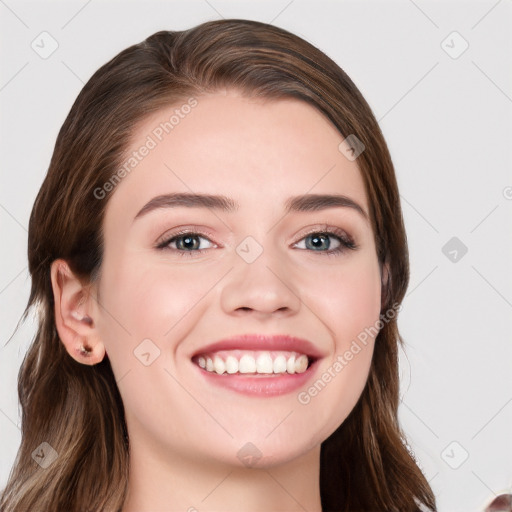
column 258, row 151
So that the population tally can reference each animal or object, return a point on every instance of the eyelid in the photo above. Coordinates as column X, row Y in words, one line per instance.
column 332, row 230
column 184, row 230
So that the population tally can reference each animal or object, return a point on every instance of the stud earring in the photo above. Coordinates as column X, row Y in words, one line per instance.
column 85, row 351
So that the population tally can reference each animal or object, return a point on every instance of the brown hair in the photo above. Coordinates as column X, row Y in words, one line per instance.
column 77, row 409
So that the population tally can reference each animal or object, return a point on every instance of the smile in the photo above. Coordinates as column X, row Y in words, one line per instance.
column 258, row 364
column 253, row 362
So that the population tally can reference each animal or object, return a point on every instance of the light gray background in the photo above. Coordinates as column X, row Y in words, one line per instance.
column 448, row 124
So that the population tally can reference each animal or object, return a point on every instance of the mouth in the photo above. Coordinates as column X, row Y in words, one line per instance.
column 254, row 362
column 258, row 364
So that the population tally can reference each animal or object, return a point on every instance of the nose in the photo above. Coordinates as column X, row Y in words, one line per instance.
column 265, row 286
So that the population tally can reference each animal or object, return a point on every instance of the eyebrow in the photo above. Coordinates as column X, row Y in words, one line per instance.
column 303, row 203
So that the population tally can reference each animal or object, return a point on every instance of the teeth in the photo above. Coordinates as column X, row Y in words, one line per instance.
column 247, row 364
column 279, row 364
column 231, row 364
column 264, row 363
column 219, row 365
column 301, row 364
column 290, row 365
column 261, row 362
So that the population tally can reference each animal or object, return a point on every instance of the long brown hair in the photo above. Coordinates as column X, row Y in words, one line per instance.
column 77, row 409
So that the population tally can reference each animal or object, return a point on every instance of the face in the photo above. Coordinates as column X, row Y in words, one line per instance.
column 300, row 276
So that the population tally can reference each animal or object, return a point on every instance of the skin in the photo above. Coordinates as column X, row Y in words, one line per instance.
column 259, row 153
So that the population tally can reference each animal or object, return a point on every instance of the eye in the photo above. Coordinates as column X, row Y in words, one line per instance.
column 186, row 242
column 327, row 241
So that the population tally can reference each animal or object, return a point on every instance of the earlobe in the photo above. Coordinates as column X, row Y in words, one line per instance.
column 74, row 315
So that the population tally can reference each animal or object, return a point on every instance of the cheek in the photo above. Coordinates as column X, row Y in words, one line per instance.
column 150, row 309
column 346, row 297
column 149, row 300
column 347, row 300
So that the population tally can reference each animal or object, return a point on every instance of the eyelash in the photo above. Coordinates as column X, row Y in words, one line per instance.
column 346, row 241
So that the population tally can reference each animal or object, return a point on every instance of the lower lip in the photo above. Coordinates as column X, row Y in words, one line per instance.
column 261, row 385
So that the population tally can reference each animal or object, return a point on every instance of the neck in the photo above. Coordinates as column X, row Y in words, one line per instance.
column 156, row 484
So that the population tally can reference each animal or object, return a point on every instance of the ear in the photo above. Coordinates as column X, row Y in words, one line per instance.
column 75, row 315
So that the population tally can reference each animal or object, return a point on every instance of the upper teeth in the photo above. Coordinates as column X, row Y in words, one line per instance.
column 237, row 361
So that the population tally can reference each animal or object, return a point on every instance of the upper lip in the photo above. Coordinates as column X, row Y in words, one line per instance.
column 276, row 342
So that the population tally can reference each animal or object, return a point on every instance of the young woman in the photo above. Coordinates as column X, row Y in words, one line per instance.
column 218, row 257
